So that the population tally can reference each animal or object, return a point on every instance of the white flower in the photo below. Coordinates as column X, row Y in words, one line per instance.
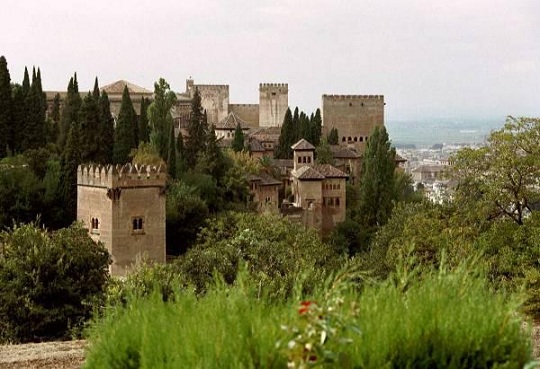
column 291, row 344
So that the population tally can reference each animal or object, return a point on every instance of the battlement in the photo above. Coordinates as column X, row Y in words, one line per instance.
column 118, row 176
column 266, row 85
column 213, row 87
column 353, row 97
column 245, row 105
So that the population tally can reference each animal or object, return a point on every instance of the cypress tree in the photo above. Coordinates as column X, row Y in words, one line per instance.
column 70, row 112
column 33, row 132
column 89, row 129
column 71, row 159
column 106, row 131
column 238, row 141
column 95, row 92
column 316, row 127
column 6, row 108
column 197, row 131
column 144, row 132
column 26, row 82
column 124, row 137
column 181, row 154
column 296, row 134
column 54, row 120
column 18, row 118
column 283, row 149
column 333, row 136
column 376, row 187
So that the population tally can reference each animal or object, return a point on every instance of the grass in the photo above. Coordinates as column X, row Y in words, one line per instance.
column 445, row 320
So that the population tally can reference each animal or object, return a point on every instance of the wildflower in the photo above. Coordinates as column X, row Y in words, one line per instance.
column 304, row 307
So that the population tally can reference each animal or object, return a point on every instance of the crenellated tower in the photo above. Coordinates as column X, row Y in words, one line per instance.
column 273, row 103
column 123, row 206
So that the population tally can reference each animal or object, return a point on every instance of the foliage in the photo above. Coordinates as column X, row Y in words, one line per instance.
column 502, row 177
column 333, row 136
column 186, row 215
column 106, row 131
column 144, row 129
column 21, row 194
column 32, row 133
column 286, row 137
column 124, row 135
column 324, row 153
column 71, row 159
column 48, row 281
column 89, row 129
column 197, row 132
column 239, row 138
column 161, row 120
column 6, row 106
column 145, row 154
column 70, row 111
column 276, row 251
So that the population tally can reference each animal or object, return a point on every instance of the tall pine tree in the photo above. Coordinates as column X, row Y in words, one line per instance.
column 283, row 149
column 18, row 118
column 89, row 129
column 106, row 131
column 95, row 91
column 70, row 111
column 316, row 128
column 71, row 159
column 238, row 141
column 144, row 130
column 124, row 137
column 197, row 131
column 6, row 108
column 33, row 132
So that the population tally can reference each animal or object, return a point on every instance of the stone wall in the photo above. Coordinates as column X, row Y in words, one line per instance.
column 249, row 113
column 273, row 103
column 354, row 116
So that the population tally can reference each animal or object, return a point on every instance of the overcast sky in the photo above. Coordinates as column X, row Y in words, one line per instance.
column 459, row 59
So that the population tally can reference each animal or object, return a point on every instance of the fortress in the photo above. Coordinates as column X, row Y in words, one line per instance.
column 354, row 116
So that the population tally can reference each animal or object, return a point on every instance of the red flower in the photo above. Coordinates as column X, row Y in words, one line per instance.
column 304, row 307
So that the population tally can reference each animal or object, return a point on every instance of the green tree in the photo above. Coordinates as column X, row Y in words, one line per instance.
column 106, row 131
column 333, row 136
column 324, row 153
column 197, row 131
column 6, row 106
column 95, row 92
column 316, row 128
column 48, row 282
column 502, row 177
column 18, row 116
column 377, row 179
column 70, row 111
column 71, row 159
column 26, row 82
column 186, row 215
column 33, row 132
column 144, row 129
column 239, row 138
column 286, row 137
column 160, row 118
column 124, row 135
column 90, row 129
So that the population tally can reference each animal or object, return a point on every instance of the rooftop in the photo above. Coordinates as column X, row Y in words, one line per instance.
column 118, row 87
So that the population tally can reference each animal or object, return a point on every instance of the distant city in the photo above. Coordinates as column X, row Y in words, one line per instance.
column 423, row 134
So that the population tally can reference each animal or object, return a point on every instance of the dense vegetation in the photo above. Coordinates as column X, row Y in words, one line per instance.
column 430, row 281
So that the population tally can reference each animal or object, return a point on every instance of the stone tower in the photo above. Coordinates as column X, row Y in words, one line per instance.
column 354, row 116
column 124, row 207
column 273, row 103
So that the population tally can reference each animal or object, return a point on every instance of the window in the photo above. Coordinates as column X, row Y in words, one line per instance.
column 299, row 159
column 309, row 159
column 137, row 223
column 343, row 139
column 304, row 159
column 355, row 138
column 349, row 139
column 337, row 202
column 361, row 139
column 95, row 226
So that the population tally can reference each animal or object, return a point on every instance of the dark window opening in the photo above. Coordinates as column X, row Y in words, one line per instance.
column 137, row 224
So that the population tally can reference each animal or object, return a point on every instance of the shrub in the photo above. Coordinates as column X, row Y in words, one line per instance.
column 48, row 282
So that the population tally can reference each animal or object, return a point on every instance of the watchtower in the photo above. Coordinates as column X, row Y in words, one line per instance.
column 273, row 103
column 124, row 207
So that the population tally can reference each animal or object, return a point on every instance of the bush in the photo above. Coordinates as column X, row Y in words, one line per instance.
column 277, row 252
column 48, row 282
